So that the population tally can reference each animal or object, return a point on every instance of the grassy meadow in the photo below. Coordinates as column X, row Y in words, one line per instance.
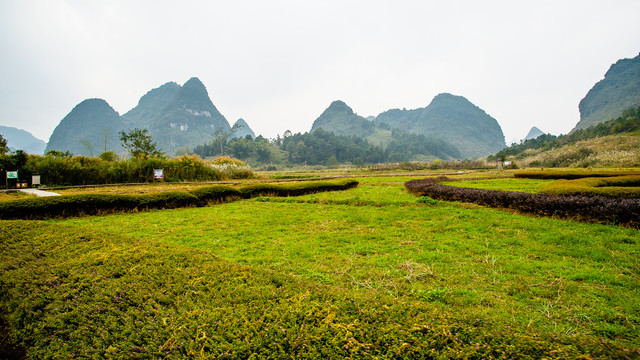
column 370, row 272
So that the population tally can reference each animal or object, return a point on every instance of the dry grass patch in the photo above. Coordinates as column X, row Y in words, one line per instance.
column 134, row 189
column 8, row 196
column 617, row 150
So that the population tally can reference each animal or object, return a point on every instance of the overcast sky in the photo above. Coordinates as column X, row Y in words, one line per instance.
column 278, row 64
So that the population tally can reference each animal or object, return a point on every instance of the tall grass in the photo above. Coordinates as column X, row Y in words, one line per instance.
column 82, row 170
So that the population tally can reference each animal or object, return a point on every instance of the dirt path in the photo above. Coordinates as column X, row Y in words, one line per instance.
column 39, row 193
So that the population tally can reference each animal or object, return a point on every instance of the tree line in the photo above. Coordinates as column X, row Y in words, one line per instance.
column 63, row 168
column 325, row 148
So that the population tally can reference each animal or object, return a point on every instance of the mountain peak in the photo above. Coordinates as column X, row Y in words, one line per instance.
column 243, row 129
column 339, row 118
column 533, row 133
column 445, row 95
column 194, row 82
column 339, row 105
column 240, row 122
column 450, row 98
column 188, row 118
column 89, row 129
column 94, row 103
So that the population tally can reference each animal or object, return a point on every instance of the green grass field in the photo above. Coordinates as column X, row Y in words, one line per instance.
column 371, row 272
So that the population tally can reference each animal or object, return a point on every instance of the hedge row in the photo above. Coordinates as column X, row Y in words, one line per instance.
column 621, row 187
column 297, row 188
column 572, row 174
column 94, row 204
column 619, row 211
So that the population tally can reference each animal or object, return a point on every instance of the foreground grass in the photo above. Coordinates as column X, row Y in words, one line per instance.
column 74, row 292
column 368, row 273
column 551, row 275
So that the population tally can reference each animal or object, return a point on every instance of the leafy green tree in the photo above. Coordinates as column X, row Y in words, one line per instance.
column 220, row 136
column 139, row 143
column 332, row 162
column 58, row 154
column 263, row 151
column 241, row 148
column 4, row 148
column 109, row 156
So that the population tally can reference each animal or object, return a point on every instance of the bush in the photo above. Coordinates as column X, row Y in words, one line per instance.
column 426, row 200
column 228, row 161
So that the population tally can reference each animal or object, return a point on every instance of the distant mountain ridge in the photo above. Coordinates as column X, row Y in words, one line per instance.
column 176, row 117
column 18, row 139
column 451, row 118
column 454, row 119
column 608, row 98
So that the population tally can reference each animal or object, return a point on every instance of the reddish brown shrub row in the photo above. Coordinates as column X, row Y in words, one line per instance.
column 619, row 211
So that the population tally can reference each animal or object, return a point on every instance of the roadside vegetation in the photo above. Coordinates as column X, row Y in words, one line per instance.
column 58, row 169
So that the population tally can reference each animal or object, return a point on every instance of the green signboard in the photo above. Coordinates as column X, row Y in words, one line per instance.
column 12, row 174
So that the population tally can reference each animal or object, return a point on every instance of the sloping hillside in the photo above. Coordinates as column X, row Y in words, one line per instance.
column 612, row 150
column 618, row 91
column 18, row 139
column 611, row 143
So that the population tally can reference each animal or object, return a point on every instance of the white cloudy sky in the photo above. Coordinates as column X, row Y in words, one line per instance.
column 279, row 63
